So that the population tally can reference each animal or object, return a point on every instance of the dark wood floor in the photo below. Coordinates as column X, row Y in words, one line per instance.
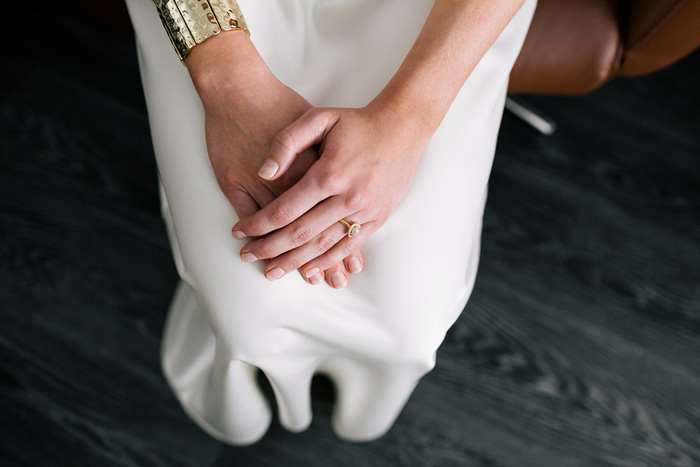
column 580, row 346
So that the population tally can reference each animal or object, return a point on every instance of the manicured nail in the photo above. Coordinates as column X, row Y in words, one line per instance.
column 248, row 257
column 316, row 279
column 275, row 274
column 338, row 280
column 354, row 265
column 312, row 272
column 238, row 234
column 268, row 169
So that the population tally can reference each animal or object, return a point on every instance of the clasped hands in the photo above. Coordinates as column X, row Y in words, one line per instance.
column 292, row 171
column 366, row 163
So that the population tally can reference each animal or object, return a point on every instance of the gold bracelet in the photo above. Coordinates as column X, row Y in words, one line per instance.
column 191, row 22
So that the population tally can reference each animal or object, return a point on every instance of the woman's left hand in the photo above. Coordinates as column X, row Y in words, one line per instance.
column 368, row 158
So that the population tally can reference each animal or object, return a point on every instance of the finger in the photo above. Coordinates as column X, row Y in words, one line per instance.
column 341, row 267
column 243, row 203
column 313, row 280
column 354, row 262
column 308, row 130
column 341, row 250
column 287, row 208
column 264, row 197
column 246, row 205
column 292, row 260
column 306, row 228
column 336, row 276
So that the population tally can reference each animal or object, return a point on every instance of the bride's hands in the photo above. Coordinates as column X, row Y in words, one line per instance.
column 368, row 158
column 245, row 107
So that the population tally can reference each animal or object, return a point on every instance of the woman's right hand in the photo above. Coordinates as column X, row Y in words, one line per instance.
column 245, row 107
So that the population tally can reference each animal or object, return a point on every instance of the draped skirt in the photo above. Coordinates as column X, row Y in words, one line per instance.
column 378, row 336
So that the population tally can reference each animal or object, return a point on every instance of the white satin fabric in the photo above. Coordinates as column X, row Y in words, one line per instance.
column 377, row 337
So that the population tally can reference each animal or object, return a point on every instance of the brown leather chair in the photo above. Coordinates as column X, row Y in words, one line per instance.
column 574, row 46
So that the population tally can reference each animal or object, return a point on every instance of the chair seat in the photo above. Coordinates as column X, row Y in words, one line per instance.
column 573, row 47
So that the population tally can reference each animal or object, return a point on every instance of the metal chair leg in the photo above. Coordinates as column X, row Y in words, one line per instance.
column 541, row 123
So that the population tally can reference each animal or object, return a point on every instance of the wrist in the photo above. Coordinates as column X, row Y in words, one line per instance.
column 226, row 62
column 404, row 113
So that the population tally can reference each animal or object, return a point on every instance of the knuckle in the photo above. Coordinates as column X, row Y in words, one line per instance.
column 264, row 251
column 331, row 181
column 293, row 263
column 325, row 243
column 346, row 248
column 301, row 234
column 252, row 228
column 355, row 251
column 281, row 215
column 331, row 259
column 314, row 112
column 356, row 201
column 229, row 183
column 284, row 139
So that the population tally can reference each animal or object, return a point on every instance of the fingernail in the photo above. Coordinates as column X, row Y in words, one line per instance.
column 316, row 279
column 312, row 272
column 248, row 257
column 268, row 169
column 275, row 274
column 238, row 234
column 338, row 280
column 354, row 265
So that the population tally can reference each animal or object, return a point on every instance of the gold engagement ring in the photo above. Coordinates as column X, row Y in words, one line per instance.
column 353, row 229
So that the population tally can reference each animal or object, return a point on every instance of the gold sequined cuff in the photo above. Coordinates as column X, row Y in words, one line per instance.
column 191, row 22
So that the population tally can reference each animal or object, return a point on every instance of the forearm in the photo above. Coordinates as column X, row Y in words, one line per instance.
column 456, row 35
column 245, row 106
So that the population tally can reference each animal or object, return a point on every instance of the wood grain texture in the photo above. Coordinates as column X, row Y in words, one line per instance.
column 580, row 345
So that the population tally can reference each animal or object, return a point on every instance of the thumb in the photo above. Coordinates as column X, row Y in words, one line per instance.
column 244, row 205
column 309, row 130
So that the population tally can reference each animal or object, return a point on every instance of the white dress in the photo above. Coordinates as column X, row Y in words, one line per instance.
column 377, row 337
